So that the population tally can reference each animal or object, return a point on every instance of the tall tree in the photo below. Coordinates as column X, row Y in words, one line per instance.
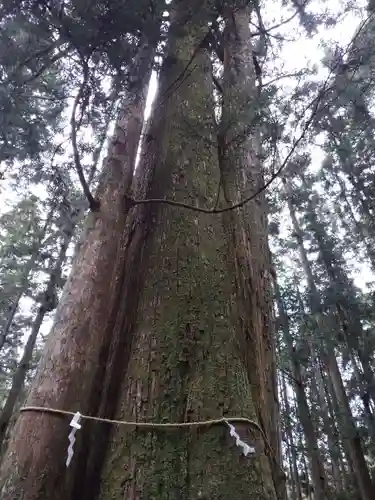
column 329, row 358
column 321, row 488
column 83, row 307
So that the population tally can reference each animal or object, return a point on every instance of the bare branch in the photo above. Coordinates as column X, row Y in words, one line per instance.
column 93, row 203
column 262, row 30
column 315, row 104
column 297, row 74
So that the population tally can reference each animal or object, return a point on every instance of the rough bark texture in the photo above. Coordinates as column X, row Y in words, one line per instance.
column 202, row 344
column 246, row 229
column 34, row 466
column 186, row 362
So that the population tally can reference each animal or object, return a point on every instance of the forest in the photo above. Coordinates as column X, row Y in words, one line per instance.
column 187, row 250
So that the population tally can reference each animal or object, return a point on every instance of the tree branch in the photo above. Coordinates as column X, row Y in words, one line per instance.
column 93, row 203
column 315, row 103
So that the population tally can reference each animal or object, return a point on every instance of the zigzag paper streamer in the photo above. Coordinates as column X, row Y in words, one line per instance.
column 72, row 439
column 246, row 449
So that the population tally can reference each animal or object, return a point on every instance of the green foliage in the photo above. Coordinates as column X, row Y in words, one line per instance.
column 30, row 99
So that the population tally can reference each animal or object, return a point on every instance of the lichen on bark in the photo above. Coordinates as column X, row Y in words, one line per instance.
column 201, row 339
column 186, row 362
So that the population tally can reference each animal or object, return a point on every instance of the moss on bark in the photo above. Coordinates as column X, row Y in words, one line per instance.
column 186, row 362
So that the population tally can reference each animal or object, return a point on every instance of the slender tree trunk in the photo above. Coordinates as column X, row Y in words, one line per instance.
column 333, row 447
column 354, row 442
column 296, row 487
column 34, row 465
column 30, row 265
column 308, row 487
column 360, row 227
column 348, row 313
column 349, row 429
column 19, row 375
column 320, row 483
column 335, row 413
column 365, row 379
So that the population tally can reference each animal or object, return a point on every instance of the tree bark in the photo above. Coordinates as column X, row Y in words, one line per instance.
column 185, row 362
column 34, row 465
column 246, row 229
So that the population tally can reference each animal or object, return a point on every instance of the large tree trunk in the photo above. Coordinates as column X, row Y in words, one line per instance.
column 186, row 362
column 246, row 229
column 67, row 378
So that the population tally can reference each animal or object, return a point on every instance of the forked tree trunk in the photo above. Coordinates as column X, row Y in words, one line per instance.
column 67, row 378
column 186, row 362
column 195, row 354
